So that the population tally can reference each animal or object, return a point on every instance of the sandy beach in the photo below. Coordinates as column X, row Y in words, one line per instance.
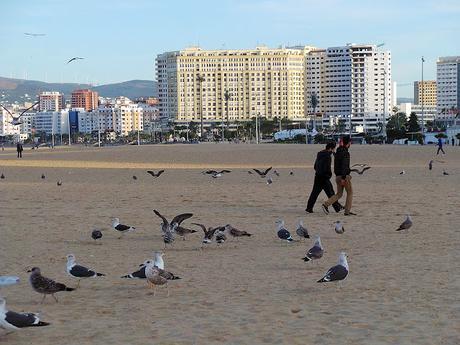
column 403, row 287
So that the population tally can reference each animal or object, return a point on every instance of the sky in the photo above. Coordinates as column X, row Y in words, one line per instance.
column 119, row 40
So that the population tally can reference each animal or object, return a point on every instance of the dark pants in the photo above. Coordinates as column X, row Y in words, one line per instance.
column 440, row 149
column 19, row 154
column 322, row 183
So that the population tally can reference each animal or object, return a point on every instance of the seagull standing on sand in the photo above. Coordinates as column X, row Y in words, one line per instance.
column 43, row 176
column 96, row 234
column 12, row 321
column 154, row 278
column 337, row 272
column 121, row 227
column 406, row 224
column 8, row 280
column 234, row 232
column 339, row 227
column 316, row 252
column 283, row 233
column 208, row 233
column 2, row 176
column 169, row 229
column 44, row 285
column 140, row 274
column 80, row 272
column 302, row 231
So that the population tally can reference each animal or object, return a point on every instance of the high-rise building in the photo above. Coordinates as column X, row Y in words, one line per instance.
column 260, row 82
column 448, row 84
column 425, row 92
column 85, row 99
column 51, row 101
column 51, row 122
column 356, row 82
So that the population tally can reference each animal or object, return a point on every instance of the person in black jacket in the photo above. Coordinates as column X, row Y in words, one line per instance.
column 343, row 178
column 322, row 178
column 19, row 148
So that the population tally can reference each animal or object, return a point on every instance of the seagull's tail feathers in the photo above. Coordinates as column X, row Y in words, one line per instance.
column 128, row 276
column 41, row 323
column 306, row 259
column 68, row 288
column 323, row 280
column 246, row 234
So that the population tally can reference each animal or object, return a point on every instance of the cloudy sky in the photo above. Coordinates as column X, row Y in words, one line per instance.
column 120, row 39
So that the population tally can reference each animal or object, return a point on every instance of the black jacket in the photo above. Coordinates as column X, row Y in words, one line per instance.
column 342, row 162
column 323, row 164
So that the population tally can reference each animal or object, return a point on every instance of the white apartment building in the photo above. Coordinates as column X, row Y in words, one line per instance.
column 356, row 82
column 261, row 81
column 6, row 128
column 429, row 111
column 51, row 122
column 448, row 87
column 51, row 101
column 313, row 78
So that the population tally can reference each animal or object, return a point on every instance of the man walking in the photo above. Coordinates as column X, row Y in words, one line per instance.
column 440, row 147
column 343, row 178
column 19, row 148
column 322, row 178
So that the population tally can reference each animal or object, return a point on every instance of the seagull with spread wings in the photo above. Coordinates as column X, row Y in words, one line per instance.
column 74, row 59
column 16, row 121
column 169, row 228
column 262, row 173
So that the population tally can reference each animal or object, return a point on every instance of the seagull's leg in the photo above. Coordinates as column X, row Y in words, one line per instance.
column 43, row 299
column 78, row 284
column 55, row 298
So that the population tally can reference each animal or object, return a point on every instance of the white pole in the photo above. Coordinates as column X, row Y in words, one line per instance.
column 423, row 112
column 52, row 130
column 68, row 124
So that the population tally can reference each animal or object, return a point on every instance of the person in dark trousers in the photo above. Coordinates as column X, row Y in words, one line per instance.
column 453, row 141
column 19, row 148
column 343, row 178
column 440, row 147
column 323, row 176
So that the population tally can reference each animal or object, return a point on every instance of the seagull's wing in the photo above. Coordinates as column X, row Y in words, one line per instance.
column 1, row 105
column 225, row 171
column 81, row 271
column 201, row 226
column 258, row 171
column 181, row 217
column 72, row 59
column 27, row 110
column 151, row 173
column 267, row 170
column 163, row 218
column 160, row 172
column 209, row 172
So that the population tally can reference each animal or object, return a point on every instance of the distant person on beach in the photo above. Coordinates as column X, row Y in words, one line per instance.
column 19, row 148
column 323, row 176
column 440, row 147
column 343, row 178
column 453, row 141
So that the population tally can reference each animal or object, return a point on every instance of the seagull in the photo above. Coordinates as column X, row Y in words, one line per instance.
column 134, row 177
column 208, row 233
column 402, row 173
column 169, row 229
column 13, row 321
column 337, row 272
column 156, row 175
column 154, row 278
column 406, row 224
column 234, row 232
column 33, row 35
column 74, row 59
column 59, row 183
column 249, row 172
column 276, row 173
column 8, row 280
column 44, row 285
column 78, row 271
column 220, row 235
column 445, row 173
column 269, row 180
column 339, row 227
column 291, row 173
column 283, row 233
column 43, row 176
column 2, row 176
column 359, row 165
column 358, row 171
column 430, row 164
column 262, row 173
column 140, row 274
column 181, row 231
column 15, row 121
column 301, row 231
column 215, row 172
column 121, row 227
column 315, row 252
column 96, row 234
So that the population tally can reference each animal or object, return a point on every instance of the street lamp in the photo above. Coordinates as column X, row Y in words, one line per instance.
column 200, row 80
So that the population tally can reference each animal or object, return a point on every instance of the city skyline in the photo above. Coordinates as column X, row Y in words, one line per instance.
column 113, row 34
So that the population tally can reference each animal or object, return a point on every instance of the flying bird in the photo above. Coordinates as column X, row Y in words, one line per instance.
column 269, row 180
column 302, row 231
column 78, row 271
column 339, row 227
column 96, row 234
column 134, row 177
column 15, row 121
column 169, row 229
column 208, row 233
column 13, row 321
column 121, row 227
column 44, row 285
column 283, row 233
column 215, row 173
column 74, row 59
column 360, row 172
column 402, row 173
column 316, row 252
column 406, row 224
column 359, row 165
column 264, row 173
column 337, row 272
column 156, row 175
column 33, row 34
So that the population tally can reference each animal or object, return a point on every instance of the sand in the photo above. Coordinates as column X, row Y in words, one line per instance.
column 403, row 288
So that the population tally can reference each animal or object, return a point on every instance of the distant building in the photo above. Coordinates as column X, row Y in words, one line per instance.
column 51, row 122
column 6, row 128
column 429, row 111
column 425, row 91
column 51, row 101
column 85, row 99
column 448, row 87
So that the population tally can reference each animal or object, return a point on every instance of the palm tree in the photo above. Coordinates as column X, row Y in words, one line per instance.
column 314, row 103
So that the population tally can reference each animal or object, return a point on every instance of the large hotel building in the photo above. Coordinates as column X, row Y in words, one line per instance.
column 277, row 83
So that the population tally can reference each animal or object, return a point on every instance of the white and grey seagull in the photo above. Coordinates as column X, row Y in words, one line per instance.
column 302, row 231
column 78, row 271
column 282, row 232
column 121, row 227
column 316, row 252
column 339, row 227
column 337, row 272
column 406, row 224
column 12, row 321
column 169, row 228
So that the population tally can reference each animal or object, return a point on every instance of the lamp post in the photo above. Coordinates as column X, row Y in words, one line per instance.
column 227, row 97
column 200, row 80
column 423, row 110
